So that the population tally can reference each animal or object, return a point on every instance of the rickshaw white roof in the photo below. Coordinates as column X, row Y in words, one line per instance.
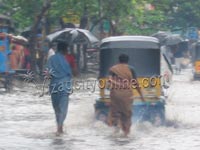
column 130, row 38
column 140, row 42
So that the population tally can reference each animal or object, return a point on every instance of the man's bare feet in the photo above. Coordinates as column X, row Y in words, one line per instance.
column 126, row 133
column 58, row 134
column 59, row 130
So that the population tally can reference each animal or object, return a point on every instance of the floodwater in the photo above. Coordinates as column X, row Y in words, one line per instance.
column 27, row 122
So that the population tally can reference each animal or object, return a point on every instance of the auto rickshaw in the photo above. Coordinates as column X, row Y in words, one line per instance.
column 196, row 59
column 152, row 69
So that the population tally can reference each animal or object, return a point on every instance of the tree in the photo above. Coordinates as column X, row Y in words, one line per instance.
column 141, row 17
column 33, row 33
column 186, row 13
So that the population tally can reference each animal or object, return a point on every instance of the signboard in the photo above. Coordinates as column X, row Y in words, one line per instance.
column 106, row 26
column 192, row 33
column 71, row 18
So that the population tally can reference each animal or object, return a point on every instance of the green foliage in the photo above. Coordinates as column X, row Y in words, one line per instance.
column 187, row 13
column 129, row 16
column 23, row 12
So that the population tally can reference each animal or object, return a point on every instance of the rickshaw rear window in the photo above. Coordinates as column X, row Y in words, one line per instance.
column 145, row 61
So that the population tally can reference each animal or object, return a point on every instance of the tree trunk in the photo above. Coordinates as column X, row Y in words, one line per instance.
column 33, row 36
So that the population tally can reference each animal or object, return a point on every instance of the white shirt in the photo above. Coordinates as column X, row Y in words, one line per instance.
column 51, row 52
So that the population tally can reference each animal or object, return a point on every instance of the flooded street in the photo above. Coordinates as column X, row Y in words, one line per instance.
column 27, row 122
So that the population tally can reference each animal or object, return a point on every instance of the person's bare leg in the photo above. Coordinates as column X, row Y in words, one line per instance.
column 126, row 126
column 59, row 130
column 118, row 126
column 126, row 132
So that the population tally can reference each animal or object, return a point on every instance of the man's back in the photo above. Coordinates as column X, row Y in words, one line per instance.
column 122, row 70
column 59, row 67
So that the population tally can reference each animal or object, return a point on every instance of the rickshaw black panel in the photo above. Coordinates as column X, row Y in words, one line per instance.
column 197, row 52
column 145, row 61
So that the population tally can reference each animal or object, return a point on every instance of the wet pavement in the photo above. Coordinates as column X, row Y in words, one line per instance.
column 27, row 122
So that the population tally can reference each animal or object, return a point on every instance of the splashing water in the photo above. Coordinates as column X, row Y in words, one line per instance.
column 28, row 122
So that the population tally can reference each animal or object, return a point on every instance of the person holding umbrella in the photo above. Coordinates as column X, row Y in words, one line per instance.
column 60, row 83
column 173, row 41
column 178, row 57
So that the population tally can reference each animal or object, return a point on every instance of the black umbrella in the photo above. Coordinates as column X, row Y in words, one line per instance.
column 71, row 36
column 173, row 39
column 161, row 35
